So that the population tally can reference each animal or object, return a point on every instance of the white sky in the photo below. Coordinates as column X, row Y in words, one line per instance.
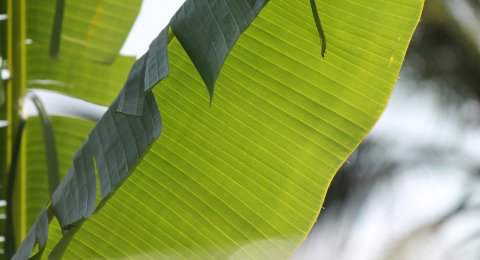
column 154, row 16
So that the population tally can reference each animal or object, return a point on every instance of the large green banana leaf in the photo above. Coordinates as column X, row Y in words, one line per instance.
column 246, row 176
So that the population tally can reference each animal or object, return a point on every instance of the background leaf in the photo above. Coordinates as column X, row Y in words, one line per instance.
column 90, row 81
column 92, row 29
column 88, row 66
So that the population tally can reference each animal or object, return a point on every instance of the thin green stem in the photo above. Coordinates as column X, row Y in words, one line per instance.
column 49, row 142
column 316, row 17
column 57, row 29
column 10, row 241
column 16, row 56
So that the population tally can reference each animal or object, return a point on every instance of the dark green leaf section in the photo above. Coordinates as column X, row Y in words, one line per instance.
column 120, row 140
column 157, row 64
column 70, row 134
column 75, row 197
column 49, row 141
column 208, row 29
column 38, row 234
column 91, row 29
column 144, row 75
column 132, row 96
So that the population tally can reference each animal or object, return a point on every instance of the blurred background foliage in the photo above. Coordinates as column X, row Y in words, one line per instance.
column 3, row 129
column 412, row 188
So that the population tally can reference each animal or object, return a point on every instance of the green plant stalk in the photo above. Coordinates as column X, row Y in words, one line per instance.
column 49, row 142
column 16, row 89
column 10, row 235
column 321, row 33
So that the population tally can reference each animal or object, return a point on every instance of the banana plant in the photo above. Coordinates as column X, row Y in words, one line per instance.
column 174, row 171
